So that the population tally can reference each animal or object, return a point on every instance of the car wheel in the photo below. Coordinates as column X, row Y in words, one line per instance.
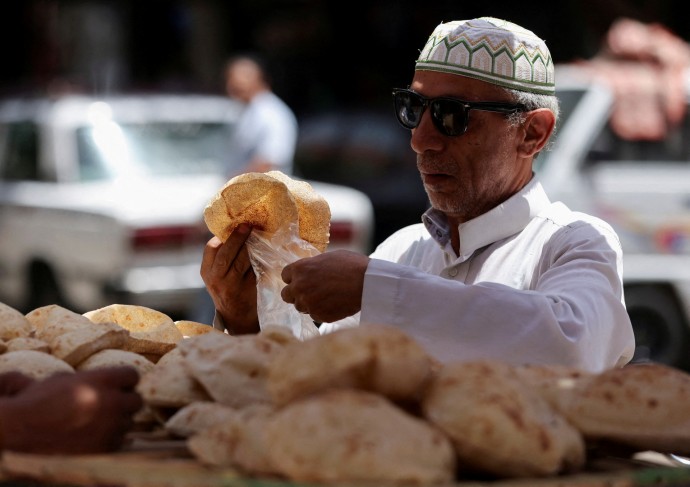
column 661, row 333
column 43, row 288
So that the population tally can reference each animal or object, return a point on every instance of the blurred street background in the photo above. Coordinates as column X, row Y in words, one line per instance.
column 120, row 186
column 324, row 54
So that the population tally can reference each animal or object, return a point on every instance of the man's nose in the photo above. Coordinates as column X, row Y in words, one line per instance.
column 426, row 137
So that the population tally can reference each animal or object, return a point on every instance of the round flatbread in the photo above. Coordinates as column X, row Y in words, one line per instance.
column 193, row 328
column 499, row 425
column 37, row 365
column 150, row 331
column 641, row 405
column 313, row 211
column 27, row 343
column 254, row 198
column 269, row 201
column 355, row 436
column 231, row 368
column 197, row 416
column 113, row 357
column 376, row 358
column 13, row 323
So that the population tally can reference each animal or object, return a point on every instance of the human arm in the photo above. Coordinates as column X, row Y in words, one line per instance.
column 560, row 302
column 71, row 413
column 230, row 280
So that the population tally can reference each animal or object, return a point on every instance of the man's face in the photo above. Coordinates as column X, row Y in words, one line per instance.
column 467, row 175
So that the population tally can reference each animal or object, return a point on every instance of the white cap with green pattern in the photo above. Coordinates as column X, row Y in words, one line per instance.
column 491, row 50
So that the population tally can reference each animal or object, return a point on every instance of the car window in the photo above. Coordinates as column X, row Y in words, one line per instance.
column 20, row 152
column 675, row 147
column 160, row 149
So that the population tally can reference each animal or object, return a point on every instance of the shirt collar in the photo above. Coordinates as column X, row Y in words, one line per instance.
column 507, row 219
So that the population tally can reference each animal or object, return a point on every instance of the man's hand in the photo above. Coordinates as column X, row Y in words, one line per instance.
column 71, row 413
column 231, row 282
column 328, row 286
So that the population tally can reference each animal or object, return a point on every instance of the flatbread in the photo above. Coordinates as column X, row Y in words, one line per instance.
column 37, row 365
column 53, row 320
column 73, row 337
column 377, row 358
column 114, row 358
column 170, row 385
column 313, row 211
column 644, row 406
column 232, row 369
column 269, row 201
column 239, row 442
column 13, row 323
column 27, row 343
column 193, row 328
column 498, row 425
column 197, row 416
column 150, row 331
column 356, row 436
column 254, row 198
column 76, row 346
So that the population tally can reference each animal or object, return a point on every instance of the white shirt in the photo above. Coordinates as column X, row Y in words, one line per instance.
column 267, row 129
column 534, row 282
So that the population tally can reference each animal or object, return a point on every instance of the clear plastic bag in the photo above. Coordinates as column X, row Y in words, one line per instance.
column 268, row 256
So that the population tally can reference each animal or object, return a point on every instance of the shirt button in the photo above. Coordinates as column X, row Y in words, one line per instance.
column 453, row 272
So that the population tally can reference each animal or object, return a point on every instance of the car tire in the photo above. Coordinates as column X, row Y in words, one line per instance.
column 661, row 332
column 43, row 288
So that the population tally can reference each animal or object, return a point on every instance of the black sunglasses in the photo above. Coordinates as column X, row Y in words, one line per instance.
column 450, row 115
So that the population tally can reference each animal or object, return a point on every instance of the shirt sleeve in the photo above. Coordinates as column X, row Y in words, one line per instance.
column 571, row 314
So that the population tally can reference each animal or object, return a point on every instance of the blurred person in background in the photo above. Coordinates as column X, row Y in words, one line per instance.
column 265, row 136
column 68, row 413
column 495, row 270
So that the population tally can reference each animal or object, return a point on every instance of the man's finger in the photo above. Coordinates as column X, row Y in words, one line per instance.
column 286, row 274
column 209, row 256
column 286, row 294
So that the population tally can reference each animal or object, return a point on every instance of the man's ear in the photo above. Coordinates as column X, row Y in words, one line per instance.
column 537, row 129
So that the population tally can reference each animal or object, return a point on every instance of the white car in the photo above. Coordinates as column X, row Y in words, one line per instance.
column 642, row 188
column 101, row 199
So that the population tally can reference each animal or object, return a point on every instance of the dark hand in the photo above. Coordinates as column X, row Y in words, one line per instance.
column 13, row 382
column 231, row 282
column 328, row 286
column 72, row 413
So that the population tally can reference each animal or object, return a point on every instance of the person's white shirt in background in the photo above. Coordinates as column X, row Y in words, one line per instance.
column 266, row 130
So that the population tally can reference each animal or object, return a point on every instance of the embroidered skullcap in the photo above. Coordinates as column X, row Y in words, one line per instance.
column 491, row 50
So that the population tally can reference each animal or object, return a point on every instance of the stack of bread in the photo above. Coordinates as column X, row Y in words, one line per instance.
column 359, row 404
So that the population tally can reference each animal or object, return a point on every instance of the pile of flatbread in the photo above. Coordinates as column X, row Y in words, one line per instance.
column 367, row 404
column 53, row 339
column 363, row 404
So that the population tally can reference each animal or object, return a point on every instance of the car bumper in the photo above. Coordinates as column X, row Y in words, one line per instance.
column 162, row 288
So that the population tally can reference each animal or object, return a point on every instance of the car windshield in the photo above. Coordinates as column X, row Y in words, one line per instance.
column 113, row 150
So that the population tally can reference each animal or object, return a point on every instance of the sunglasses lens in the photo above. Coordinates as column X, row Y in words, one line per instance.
column 450, row 117
column 409, row 108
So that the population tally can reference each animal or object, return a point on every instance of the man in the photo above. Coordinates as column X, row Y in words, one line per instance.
column 495, row 270
column 264, row 138
column 68, row 413
column 266, row 133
